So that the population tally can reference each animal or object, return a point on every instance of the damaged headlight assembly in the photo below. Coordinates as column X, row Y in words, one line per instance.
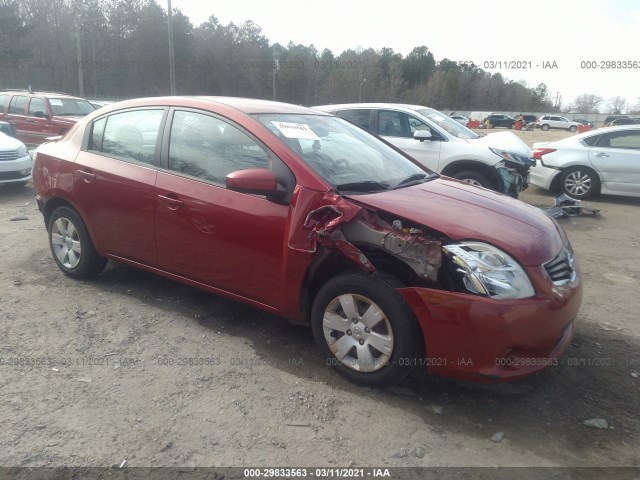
column 488, row 271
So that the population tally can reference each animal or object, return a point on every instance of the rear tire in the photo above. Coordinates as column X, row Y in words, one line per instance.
column 364, row 329
column 544, row 127
column 71, row 245
column 580, row 183
column 573, row 128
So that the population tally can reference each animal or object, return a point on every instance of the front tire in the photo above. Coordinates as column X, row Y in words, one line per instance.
column 365, row 329
column 475, row 178
column 71, row 245
column 580, row 183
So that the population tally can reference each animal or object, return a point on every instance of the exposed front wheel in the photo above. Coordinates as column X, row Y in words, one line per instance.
column 365, row 329
column 580, row 183
column 71, row 245
column 475, row 178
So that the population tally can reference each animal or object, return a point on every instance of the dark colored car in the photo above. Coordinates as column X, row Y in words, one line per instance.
column 623, row 121
column 611, row 118
column 584, row 122
column 39, row 115
column 499, row 120
column 305, row 215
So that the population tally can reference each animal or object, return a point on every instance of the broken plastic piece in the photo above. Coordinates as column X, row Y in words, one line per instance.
column 564, row 205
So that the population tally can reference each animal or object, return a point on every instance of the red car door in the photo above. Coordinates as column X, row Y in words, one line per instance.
column 37, row 124
column 225, row 239
column 16, row 116
column 114, row 182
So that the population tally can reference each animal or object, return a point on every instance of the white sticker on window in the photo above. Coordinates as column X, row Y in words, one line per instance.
column 296, row 130
column 55, row 101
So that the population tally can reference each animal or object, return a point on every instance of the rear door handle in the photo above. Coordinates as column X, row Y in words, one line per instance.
column 172, row 203
column 601, row 154
column 87, row 176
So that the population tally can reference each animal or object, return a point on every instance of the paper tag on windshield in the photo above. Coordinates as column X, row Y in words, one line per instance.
column 296, row 130
column 55, row 101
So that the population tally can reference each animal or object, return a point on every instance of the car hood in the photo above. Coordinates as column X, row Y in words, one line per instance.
column 465, row 212
column 504, row 141
column 9, row 143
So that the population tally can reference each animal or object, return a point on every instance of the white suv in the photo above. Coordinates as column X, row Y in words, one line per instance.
column 498, row 161
column 554, row 121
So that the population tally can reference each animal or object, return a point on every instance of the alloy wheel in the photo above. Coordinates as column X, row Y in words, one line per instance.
column 66, row 243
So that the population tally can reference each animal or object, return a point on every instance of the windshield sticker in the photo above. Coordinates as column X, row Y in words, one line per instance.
column 55, row 101
column 296, row 130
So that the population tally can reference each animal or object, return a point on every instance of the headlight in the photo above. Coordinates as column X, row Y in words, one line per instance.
column 22, row 151
column 520, row 160
column 489, row 272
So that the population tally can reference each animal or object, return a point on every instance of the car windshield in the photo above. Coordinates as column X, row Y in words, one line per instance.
column 347, row 157
column 70, row 106
column 448, row 124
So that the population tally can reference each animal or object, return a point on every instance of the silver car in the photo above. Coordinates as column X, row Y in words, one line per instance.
column 554, row 121
column 606, row 160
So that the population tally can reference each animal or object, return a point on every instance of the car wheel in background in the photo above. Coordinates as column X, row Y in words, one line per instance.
column 475, row 178
column 71, row 245
column 573, row 128
column 544, row 127
column 580, row 182
column 365, row 329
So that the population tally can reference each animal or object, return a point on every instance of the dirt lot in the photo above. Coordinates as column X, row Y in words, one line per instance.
column 98, row 390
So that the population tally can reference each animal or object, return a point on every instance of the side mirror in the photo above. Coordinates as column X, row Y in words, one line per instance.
column 258, row 181
column 422, row 135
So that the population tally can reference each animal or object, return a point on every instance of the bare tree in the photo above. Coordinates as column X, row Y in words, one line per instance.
column 587, row 103
column 617, row 105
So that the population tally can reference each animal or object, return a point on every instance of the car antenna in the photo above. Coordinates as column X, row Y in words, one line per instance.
column 29, row 88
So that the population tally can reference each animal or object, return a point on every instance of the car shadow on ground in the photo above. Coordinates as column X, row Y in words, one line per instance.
column 543, row 413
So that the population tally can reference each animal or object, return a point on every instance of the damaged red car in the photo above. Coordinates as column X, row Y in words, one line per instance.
column 307, row 216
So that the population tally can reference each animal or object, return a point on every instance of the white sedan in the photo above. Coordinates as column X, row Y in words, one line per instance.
column 606, row 161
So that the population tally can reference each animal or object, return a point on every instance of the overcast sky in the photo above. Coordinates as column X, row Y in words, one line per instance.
column 534, row 33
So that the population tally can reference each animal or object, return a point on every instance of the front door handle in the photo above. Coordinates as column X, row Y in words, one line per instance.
column 87, row 176
column 601, row 154
column 172, row 203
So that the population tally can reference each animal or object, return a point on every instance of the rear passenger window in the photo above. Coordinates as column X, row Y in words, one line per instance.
column 17, row 105
column 209, row 148
column 37, row 105
column 360, row 117
column 129, row 135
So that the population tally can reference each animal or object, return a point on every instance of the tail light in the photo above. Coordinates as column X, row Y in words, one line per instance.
column 539, row 152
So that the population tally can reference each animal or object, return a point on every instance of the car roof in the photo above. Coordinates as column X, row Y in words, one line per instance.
column 245, row 105
column 43, row 94
column 573, row 139
column 342, row 106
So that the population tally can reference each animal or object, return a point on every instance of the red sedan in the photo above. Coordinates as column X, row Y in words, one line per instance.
column 307, row 216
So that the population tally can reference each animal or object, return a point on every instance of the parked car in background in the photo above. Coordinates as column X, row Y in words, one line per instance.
column 305, row 215
column 461, row 119
column 623, row 121
column 584, row 122
column 499, row 120
column 39, row 115
column 530, row 119
column 15, row 161
column 606, row 160
column 610, row 118
column 498, row 161
column 554, row 121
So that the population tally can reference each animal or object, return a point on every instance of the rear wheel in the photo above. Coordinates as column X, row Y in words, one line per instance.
column 573, row 128
column 71, row 245
column 544, row 127
column 475, row 178
column 365, row 329
column 580, row 183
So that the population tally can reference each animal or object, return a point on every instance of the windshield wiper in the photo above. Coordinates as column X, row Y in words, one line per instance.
column 416, row 177
column 364, row 186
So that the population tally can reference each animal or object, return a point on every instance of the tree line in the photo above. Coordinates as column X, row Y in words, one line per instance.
column 122, row 49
